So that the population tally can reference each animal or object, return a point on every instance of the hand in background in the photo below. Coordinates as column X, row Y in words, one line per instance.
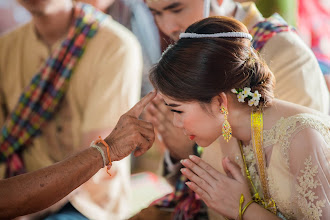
column 171, row 137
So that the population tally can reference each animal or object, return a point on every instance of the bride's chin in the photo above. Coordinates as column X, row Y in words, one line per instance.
column 203, row 143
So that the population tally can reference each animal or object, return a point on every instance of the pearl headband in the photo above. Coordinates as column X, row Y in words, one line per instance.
column 224, row 34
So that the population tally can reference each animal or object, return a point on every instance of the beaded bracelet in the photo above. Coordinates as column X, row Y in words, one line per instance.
column 100, row 150
column 100, row 140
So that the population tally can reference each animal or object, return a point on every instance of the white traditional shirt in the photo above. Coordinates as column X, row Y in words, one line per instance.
column 104, row 85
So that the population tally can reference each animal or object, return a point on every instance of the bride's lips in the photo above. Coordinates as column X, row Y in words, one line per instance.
column 191, row 137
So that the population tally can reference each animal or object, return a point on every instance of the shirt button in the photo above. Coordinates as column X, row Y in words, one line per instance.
column 59, row 128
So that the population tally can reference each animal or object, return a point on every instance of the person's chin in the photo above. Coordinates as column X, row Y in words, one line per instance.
column 203, row 143
column 175, row 37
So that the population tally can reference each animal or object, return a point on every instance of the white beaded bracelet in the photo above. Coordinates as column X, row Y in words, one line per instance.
column 100, row 150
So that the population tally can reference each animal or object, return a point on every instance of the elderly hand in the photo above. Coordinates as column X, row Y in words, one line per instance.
column 173, row 138
column 131, row 133
column 220, row 192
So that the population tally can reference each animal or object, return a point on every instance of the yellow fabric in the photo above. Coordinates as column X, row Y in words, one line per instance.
column 105, row 84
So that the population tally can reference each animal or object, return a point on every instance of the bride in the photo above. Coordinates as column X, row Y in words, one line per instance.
column 275, row 153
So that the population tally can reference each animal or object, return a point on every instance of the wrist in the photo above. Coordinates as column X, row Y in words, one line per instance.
column 97, row 156
column 104, row 149
column 112, row 151
column 244, row 204
column 251, row 211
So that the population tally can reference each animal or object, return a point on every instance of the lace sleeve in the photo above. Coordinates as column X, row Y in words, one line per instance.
column 309, row 168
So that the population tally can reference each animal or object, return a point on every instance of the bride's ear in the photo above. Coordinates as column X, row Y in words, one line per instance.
column 221, row 100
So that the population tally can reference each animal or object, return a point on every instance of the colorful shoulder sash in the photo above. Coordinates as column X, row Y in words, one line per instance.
column 40, row 99
column 268, row 28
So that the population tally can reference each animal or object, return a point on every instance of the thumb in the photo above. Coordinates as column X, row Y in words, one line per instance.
column 138, row 107
column 232, row 170
column 224, row 165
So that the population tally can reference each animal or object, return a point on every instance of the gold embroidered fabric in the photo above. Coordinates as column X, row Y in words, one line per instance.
column 298, row 151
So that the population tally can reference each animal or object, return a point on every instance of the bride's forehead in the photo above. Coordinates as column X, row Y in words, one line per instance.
column 173, row 102
column 169, row 99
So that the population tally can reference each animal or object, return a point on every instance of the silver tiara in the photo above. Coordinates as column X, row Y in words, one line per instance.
column 224, row 34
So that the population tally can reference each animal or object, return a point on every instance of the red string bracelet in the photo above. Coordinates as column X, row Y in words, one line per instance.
column 100, row 140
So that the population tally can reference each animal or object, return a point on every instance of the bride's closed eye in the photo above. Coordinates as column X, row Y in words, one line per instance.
column 179, row 112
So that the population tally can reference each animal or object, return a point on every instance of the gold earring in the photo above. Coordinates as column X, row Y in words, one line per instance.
column 226, row 128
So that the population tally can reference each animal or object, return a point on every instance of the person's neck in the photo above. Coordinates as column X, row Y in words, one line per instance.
column 54, row 25
column 240, row 122
column 228, row 8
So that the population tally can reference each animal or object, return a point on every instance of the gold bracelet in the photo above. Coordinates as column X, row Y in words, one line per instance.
column 241, row 201
column 246, row 206
column 242, row 210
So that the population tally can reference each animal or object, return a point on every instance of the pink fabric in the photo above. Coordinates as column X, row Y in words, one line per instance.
column 314, row 26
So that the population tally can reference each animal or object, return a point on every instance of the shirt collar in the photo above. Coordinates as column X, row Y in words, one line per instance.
column 248, row 14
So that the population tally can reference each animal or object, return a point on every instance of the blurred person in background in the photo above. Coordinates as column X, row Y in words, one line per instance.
column 12, row 14
column 135, row 15
column 65, row 79
column 315, row 31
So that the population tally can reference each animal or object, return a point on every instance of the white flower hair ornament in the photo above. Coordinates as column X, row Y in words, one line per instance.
column 242, row 94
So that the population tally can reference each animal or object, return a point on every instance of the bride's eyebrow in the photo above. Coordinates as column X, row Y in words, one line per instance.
column 171, row 105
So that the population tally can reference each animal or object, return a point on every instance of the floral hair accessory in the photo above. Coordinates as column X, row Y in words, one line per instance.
column 242, row 94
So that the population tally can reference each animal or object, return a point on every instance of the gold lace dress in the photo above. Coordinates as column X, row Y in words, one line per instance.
column 297, row 149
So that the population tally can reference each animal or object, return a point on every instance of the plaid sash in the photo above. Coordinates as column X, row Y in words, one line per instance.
column 268, row 28
column 41, row 98
column 184, row 201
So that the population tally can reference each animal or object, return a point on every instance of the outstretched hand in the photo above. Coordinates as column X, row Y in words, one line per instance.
column 220, row 192
column 131, row 133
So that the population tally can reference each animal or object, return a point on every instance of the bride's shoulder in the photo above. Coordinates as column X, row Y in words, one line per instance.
column 288, row 116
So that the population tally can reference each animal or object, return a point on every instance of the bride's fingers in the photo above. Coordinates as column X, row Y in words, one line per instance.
column 200, row 172
column 207, row 167
column 197, row 180
column 199, row 191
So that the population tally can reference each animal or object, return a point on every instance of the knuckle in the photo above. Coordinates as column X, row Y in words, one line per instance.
column 135, row 136
column 153, row 137
column 203, row 175
column 122, row 118
column 200, row 192
column 201, row 182
column 208, row 168
column 150, row 125
column 130, row 119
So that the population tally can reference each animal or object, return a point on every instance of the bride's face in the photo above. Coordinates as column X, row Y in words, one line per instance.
column 201, row 123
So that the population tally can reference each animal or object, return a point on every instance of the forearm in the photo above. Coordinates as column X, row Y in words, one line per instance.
column 256, row 212
column 37, row 190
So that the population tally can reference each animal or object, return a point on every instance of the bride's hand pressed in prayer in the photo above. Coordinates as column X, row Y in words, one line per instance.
column 220, row 192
